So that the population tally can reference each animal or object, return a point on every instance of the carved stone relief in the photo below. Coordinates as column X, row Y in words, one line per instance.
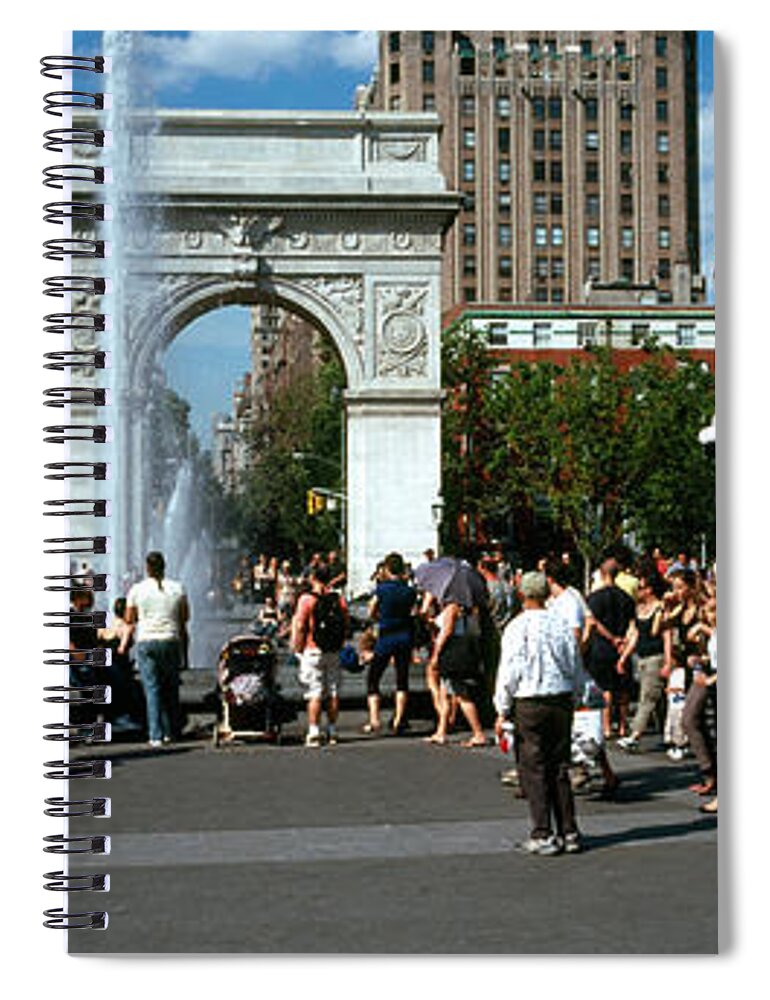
column 402, row 335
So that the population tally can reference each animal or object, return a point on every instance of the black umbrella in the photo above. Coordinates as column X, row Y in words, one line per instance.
column 452, row 581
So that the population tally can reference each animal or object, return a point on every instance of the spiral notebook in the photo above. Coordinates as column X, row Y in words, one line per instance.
column 286, row 267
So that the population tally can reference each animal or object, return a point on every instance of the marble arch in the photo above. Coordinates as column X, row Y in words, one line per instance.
column 338, row 216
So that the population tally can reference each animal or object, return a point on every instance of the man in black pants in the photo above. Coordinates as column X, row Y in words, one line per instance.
column 540, row 672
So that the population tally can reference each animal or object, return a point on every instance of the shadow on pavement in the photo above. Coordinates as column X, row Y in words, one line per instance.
column 640, row 834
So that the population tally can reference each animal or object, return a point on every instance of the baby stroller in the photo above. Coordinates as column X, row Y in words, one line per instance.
column 587, row 737
column 251, row 704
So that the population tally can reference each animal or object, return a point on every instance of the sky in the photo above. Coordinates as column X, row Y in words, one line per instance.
column 297, row 70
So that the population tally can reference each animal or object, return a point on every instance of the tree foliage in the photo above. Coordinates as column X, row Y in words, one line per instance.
column 605, row 449
column 303, row 418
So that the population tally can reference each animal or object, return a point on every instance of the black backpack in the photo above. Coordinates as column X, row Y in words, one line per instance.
column 329, row 623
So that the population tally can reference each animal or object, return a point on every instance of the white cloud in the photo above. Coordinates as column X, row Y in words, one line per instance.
column 254, row 55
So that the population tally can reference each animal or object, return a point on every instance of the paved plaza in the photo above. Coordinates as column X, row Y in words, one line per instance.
column 391, row 846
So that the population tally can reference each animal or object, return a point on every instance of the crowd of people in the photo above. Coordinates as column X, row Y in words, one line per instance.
column 502, row 648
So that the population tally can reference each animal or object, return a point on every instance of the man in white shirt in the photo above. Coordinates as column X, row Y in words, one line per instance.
column 540, row 672
column 158, row 608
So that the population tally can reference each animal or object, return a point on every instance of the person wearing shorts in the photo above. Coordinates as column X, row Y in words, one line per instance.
column 319, row 671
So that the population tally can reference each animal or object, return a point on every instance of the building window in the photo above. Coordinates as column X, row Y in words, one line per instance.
column 626, row 143
column 395, row 73
column 394, row 41
column 662, row 173
column 538, row 140
column 664, row 206
column 592, row 206
column 554, row 107
column 469, row 138
column 661, row 78
column 504, row 234
column 625, row 173
column 504, row 266
column 504, row 294
column 533, row 47
column 661, row 142
column 661, row 111
column 626, row 111
column 592, row 141
column 469, row 294
column 498, row 47
column 664, row 268
column 626, row 204
column 428, row 102
column 550, row 46
column 503, row 140
column 469, row 266
column 639, row 333
column 554, row 139
column 469, row 201
column 557, row 267
column 504, row 203
column 664, row 238
column 540, row 204
column 503, row 105
column 586, row 333
column 661, row 46
column 428, row 42
column 469, row 234
column 685, row 335
column 627, row 268
column 541, row 236
column 586, row 48
column 592, row 172
column 541, row 267
column 395, row 103
column 627, row 237
column 538, row 170
column 538, row 108
column 468, row 104
column 557, row 295
column 469, row 170
column 593, row 268
column 428, row 71
column 557, row 204
column 541, row 334
column 556, row 171
column 541, row 294
column 621, row 48
column 592, row 236
column 504, row 171
column 591, row 106
column 557, row 236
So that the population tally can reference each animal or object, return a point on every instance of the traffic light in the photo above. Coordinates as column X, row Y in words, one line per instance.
column 315, row 503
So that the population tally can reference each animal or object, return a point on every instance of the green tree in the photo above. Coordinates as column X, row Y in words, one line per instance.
column 305, row 417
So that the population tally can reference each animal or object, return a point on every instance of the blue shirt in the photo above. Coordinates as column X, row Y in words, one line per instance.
column 395, row 600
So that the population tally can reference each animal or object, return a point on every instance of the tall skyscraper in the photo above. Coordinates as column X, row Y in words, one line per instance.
column 577, row 153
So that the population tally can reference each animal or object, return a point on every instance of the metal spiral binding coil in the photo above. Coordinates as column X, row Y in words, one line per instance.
column 98, row 471
column 57, row 175
column 65, row 284
column 76, row 324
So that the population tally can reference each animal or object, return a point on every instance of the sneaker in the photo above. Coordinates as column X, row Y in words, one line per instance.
column 331, row 737
column 155, row 744
column 543, row 846
column 628, row 743
column 675, row 754
column 510, row 777
column 313, row 740
column 572, row 843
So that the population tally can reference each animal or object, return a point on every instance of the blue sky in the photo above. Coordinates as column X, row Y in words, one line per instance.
column 294, row 70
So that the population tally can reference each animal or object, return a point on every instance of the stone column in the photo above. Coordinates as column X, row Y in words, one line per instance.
column 393, row 477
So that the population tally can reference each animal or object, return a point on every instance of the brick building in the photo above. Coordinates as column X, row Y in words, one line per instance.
column 577, row 153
